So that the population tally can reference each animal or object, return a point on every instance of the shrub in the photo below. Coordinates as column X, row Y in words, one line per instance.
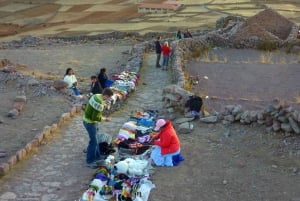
column 267, row 45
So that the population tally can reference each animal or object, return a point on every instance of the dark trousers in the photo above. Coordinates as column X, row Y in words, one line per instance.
column 157, row 59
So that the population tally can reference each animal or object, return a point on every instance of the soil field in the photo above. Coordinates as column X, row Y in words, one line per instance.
column 250, row 78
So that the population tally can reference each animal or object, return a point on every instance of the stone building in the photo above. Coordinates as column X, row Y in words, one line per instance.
column 169, row 6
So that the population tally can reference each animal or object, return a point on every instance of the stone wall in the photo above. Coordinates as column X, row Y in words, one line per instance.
column 277, row 117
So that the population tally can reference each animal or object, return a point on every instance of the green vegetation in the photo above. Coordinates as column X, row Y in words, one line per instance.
column 267, row 45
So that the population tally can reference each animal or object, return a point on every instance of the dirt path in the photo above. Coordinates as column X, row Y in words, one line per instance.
column 221, row 163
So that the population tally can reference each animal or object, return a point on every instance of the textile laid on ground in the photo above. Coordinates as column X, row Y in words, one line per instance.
column 134, row 137
column 126, row 178
column 120, row 183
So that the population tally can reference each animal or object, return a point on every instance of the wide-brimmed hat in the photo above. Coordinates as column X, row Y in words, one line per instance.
column 159, row 123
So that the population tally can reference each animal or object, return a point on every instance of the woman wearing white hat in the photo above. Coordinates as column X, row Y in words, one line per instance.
column 167, row 143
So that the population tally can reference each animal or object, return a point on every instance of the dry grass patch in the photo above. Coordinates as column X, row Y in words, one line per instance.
column 266, row 58
column 297, row 99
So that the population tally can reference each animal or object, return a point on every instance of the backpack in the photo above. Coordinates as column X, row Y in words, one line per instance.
column 194, row 103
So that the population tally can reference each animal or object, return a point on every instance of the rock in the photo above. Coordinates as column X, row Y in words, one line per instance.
column 20, row 99
column 238, row 116
column 4, row 62
column 294, row 125
column 283, row 119
column 269, row 108
column 227, row 133
column 245, row 118
column 185, row 127
column 170, row 110
column 268, row 121
column 229, row 108
column 229, row 118
column 209, row 119
column 4, row 168
column 286, row 127
column 276, row 126
column 237, row 109
column 253, row 116
column 21, row 154
column 9, row 69
column 8, row 196
column 260, row 115
column 295, row 115
column 183, row 120
column 33, row 82
column 260, row 122
column 59, row 84
column 13, row 113
column 171, row 97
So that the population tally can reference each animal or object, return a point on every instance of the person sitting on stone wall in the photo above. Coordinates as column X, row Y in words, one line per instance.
column 71, row 81
column 194, row 106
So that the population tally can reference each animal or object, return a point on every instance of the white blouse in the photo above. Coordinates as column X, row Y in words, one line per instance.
column 70, row 79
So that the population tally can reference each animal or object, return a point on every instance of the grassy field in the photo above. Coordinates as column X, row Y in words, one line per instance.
column 48, row 17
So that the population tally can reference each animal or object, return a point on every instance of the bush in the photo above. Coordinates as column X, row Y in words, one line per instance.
column 267, row 45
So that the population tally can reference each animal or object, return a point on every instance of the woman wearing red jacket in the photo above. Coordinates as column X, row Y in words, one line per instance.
column 166, row 50
column 167, row 144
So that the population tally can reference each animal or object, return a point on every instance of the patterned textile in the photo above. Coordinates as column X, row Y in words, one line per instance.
column 94, row 108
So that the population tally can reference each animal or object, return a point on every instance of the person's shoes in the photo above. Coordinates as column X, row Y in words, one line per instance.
column 92, row 165
column 158, row 66
column 99, row 162
column 2, row 155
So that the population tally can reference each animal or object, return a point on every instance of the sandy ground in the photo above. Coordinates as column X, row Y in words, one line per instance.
column 50, row 62
column 250, row 78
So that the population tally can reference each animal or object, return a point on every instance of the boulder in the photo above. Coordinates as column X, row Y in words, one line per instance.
column 59, row 84
column 209, row 119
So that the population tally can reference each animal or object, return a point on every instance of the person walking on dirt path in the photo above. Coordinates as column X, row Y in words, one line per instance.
column 92, row 115
column 158, row 51
column 71, row 80
column 166, row 50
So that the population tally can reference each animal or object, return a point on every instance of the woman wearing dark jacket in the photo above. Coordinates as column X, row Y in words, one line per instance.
column 102, row 77
column 158, row 51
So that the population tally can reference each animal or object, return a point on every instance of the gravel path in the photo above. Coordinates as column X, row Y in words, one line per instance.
column 57, row 170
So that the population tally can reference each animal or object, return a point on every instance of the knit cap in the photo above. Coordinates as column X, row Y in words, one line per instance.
column 159, row 123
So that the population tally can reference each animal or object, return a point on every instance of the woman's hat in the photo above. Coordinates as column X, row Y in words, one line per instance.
column 159, row 123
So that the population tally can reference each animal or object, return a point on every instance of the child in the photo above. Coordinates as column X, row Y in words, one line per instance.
column 95, row 86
